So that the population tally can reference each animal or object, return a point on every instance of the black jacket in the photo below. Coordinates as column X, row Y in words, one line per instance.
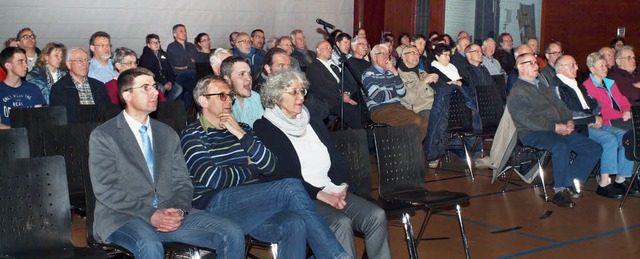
column 64, row 93
column 581, row 117
column 159, row 65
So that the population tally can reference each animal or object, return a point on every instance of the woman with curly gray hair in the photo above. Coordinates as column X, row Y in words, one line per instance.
column 305, row 151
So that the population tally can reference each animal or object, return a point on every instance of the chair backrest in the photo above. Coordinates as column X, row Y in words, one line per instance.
column 490, row 107
column 72, row 142
column 173, row 114
column 98, row 113
column 460, row 116
column 34, row 119
column 501, row 84
column 90, row 203
column 353, row 146
column 635, row 119
column 14, row 143
column 400, row 159
column 34, row 205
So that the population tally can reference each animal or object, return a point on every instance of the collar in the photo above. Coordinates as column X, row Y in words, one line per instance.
column 134, row 124
column 380, row 70
column 206, row 125
column 607, row 82
column 535, row 82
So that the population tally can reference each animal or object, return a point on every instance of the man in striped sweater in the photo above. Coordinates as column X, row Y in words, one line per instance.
column 225, row 159
column 384, row 89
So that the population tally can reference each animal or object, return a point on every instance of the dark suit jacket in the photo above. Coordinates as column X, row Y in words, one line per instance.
column 64, row 93
column 304, row 58
column 322, row 84
column 120, row 177
column 288, row 165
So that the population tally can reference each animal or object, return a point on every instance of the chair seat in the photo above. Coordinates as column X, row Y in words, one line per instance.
column 62, row 253
column 428, row 198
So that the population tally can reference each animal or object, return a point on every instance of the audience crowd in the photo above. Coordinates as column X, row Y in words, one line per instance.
column 258, row 160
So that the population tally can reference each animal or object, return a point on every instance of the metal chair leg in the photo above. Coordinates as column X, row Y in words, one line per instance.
column 633, row 180
column 464, row 235
column 408, row 230
column 423, row 227
column 194, row 253
column 469, row 160
column 544, row 186
column 274, row 250
column 506, row 181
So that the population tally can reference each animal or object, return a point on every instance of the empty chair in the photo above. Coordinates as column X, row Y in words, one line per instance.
column 97, row 113
column 34, row 119
column 72, row 142
column 401, row 176
column 460, row 132
column 34, row 207
column 173, row 114
column 14, row 143
column 635, row 144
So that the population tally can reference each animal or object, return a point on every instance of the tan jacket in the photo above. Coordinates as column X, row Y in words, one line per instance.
column 419, row 94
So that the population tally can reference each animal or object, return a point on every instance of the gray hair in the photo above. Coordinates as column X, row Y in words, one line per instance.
column 619, row 52
column 202, row 85
column 406, row 49
column 487, row 41
column 71, row 50
column 121, row 52
column 595, row 57
column 273, row 89
column 294, row 32
column 216, row 57
column 376, row 48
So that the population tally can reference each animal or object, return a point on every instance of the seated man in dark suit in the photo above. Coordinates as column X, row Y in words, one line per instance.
column 543, row 121
column 76, row 88
column 142, row 185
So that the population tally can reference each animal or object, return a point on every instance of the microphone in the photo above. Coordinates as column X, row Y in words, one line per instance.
column 325, row 24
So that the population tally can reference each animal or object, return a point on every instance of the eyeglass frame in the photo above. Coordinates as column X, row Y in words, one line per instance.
column 222, row 95
column 145, row 87
column 295, row 92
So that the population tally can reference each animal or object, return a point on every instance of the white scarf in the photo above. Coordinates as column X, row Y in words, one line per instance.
column 450, row 70
column 295, row 127
column 574, row 85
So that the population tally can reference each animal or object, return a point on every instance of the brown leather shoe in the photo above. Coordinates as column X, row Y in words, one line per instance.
column 563, row 199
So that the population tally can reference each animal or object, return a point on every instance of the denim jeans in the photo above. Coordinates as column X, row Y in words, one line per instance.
column 573, row 156
column 187, row 79
column 198, row 228
column 173, row 94
column 613, row 160
column 279, row 212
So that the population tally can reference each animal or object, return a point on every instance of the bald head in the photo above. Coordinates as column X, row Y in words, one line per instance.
column 566, row 65
column 522, row 49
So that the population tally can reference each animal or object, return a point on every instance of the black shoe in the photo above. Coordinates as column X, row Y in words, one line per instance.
column 610, row 191
column 623, row 186
column 574, row 194
column 563, row 199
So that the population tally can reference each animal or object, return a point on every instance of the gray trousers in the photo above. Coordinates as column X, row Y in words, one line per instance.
column 362, row 216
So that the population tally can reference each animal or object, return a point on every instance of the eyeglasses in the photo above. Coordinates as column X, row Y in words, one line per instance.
column 80, row 61
column 223, row 96
column 411, row 53
column 146, row 88
column 28, row 36
column 530, row 62
column 472, row 51
column 570, row 64
column 629, row 58
column 556, row 53
column 295, row 92
column 154, row 42
column 244, row 41
column 129, row 63
column 103, row 45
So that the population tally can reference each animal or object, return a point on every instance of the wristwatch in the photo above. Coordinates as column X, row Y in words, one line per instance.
column 183, row 213
column 347, row 92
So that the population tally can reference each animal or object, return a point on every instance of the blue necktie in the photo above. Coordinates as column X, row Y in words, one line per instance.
column 148, row 155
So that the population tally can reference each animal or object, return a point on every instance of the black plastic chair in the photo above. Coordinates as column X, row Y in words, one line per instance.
column 528, row 162
column 169, row 247
column 14, row 143
column 35, row 119
column 460, row 129
column 635, row 119
column 72, row 142
column 173, row 114
column 401, row 176
column 490, row 108
column 35, row 212
column 98, row 113
column 353, row 146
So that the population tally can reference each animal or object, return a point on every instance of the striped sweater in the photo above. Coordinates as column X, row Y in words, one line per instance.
column 382, row 88
column 216, row 159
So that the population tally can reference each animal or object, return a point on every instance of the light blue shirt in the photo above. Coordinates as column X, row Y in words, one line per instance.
column 102, row 73
column 251, row 109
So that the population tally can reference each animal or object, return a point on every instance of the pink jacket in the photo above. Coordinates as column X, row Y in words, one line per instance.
column 601, row 93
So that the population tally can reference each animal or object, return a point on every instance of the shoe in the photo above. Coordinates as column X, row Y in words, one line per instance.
column 623, row 186
column 610, row 191
column 574, row 194
column 563, row 199
column 483, row 162
column 434, row 163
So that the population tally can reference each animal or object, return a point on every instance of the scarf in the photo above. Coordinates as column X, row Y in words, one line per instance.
column 573, row 84
column 450, row 70
column 402, row 66
column 295, row 127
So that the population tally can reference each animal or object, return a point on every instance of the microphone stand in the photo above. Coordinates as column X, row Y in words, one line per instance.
column 343, row 64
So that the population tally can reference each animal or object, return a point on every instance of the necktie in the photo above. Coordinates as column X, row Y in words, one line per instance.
column 335, row 69
column 148, row 155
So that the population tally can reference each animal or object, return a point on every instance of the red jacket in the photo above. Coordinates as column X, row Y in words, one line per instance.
column 601, row 93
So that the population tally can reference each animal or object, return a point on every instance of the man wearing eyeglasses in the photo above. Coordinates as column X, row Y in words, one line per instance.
column 76, row 88
column 552, row 52
column 257, row 41
column 543, row 121
column 15, row 92
column 27, row 41
column 142, row 184
column 226, row 159
column 625, row 74
column 252, row 55
column 101, row 65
